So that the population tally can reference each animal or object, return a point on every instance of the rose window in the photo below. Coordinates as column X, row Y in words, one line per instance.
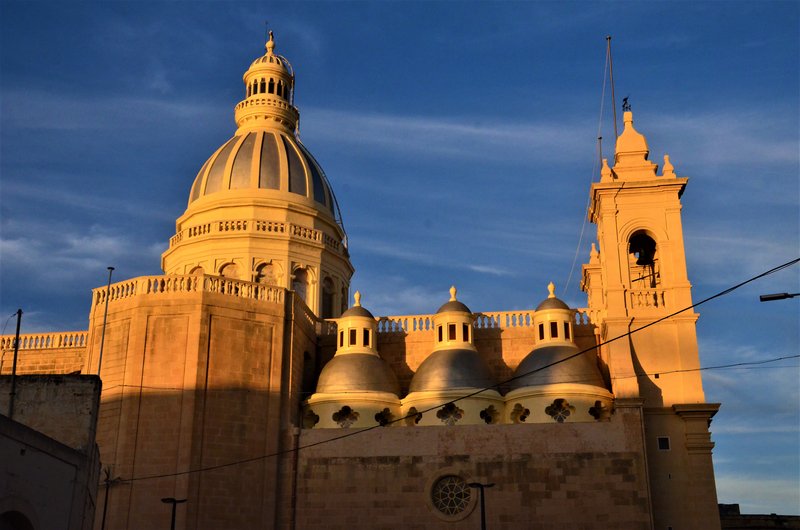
column 450, row 495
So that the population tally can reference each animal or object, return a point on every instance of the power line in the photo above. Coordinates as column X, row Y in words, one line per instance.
column 492, row 387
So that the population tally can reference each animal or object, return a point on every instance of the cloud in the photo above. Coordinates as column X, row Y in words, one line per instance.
column 455, row 137
column 760, row 495
column 745, row 138
column 84, row 200
column 42, row 258
column 38, row 110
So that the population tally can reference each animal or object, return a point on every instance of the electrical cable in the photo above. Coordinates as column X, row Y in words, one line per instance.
column 492, row 387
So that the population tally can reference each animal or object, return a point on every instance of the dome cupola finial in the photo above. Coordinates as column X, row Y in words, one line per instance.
column 270, row 45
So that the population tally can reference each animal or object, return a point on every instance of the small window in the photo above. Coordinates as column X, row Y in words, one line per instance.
column 341, row 339
column 366, row 338
column 466, row 332
column 566, row 330
column 352, row 337
column 451, row 332
column 553, row 330
column 440, row 333
column 663, row 443
column 541, row 331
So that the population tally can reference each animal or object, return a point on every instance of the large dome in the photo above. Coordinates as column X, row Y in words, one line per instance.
column 267, row 160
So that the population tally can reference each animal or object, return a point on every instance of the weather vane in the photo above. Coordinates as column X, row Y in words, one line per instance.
column 626, row 106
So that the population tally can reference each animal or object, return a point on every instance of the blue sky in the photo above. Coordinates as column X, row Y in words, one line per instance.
column 460, row 139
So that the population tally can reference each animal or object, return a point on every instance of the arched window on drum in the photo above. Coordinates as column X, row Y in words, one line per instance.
column 300, row 284
column 327, row 298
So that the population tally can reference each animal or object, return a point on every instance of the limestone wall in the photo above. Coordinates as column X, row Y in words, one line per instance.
column 44, row 353
column 192, row 381
column 63, row 407
column 583, row 475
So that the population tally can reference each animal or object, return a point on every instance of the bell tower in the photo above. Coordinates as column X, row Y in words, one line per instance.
column 641, row 271
column 637, row 277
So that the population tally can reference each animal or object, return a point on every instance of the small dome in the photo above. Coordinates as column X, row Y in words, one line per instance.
column 357, row 372
column 270, row 58
column 551, row 302
column 580, row 370
column 450, row 369
column 265, row 160
column 357, row 310
column 453, row 304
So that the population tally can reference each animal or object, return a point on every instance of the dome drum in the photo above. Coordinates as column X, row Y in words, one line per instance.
column 562, row 403
column 483, row 408
column 353, row 410
column 251, row 113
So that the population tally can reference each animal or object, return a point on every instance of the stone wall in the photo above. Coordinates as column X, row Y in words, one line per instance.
column 583, row 475
column 43, row 361
column 63, row 407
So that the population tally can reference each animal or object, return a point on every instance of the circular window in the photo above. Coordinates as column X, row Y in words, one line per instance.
column 450, row 495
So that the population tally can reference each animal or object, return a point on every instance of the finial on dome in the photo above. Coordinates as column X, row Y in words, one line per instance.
column 551, row 288
column 270, row 43
column 357, row 298
column 669, row 170
column 453, row 292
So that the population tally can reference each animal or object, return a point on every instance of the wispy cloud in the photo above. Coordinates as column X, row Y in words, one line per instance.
column 761, row 495
column 35, row 110
column 476, row 138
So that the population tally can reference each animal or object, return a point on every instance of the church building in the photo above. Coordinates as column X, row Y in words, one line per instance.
column 249, row 380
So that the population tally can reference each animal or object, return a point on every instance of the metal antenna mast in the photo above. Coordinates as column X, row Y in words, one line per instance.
column 611, row 73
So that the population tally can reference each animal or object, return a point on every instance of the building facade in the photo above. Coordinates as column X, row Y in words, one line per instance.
column 241, row 381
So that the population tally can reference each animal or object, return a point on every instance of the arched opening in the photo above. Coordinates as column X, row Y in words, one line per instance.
column 197, row 271
column 229, row 270
column 643, row 261
column 271, row 86
column 300, row 284
column 263, row 86
column 14, row 520
column 265, row 274
column 327, row 298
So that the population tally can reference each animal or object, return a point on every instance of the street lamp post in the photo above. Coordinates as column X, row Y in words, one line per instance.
column 481, row 487
column 777, row 296
column 173, row 501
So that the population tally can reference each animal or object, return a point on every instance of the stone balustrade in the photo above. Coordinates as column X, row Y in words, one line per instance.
column 490, row 320
column 264, row 102
column 43, row 341
column 251, row 226
column 647, row 298
column 187, row 283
